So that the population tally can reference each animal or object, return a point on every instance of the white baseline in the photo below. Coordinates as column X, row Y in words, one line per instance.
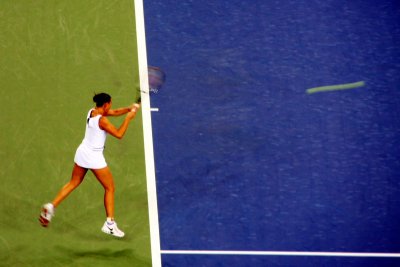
column 148, row 136
column 282, row 253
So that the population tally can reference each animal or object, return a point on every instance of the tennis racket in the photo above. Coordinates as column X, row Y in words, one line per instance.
column 156, row 78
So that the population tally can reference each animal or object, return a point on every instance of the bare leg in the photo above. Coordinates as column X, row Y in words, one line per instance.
column 106, row 179
column 78, row 173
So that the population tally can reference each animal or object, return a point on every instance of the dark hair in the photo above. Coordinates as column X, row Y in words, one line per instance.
column 101, row 99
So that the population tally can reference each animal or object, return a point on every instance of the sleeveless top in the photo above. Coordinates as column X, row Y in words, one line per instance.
column 95, row 138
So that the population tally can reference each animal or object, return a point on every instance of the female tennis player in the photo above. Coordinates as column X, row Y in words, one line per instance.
column 89, row 156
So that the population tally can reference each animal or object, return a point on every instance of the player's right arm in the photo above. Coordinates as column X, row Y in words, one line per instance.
column 107, row 126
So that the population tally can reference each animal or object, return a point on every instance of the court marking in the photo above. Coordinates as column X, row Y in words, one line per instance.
column 154, row 109
column 337, row 87
column 147, row 135
column 281, row 253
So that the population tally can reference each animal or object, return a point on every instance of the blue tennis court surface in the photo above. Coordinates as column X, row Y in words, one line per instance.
column 247, row 160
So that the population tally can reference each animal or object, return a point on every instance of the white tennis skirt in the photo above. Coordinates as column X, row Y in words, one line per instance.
column 89, row 158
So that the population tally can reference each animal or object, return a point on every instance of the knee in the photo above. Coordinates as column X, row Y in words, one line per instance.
column 74, row 183
column 110, row 188
column 76, row 180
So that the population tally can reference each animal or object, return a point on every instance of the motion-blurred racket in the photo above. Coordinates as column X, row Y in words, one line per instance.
column 156, row 80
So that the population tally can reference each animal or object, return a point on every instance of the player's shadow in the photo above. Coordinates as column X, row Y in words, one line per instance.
column 97, row 253
column 102, row 255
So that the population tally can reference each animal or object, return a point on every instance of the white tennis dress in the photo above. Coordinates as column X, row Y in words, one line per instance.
column 90, row 152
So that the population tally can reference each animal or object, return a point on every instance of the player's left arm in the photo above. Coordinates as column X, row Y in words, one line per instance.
column 119, row 111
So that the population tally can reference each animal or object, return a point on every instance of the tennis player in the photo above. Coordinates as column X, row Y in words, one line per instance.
column 89, row 156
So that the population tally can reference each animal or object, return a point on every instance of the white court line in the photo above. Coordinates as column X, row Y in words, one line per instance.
column 281, row 253
column 148, row 136
column 154, row 109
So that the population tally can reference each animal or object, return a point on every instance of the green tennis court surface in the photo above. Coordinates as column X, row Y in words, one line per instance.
column 53, row 56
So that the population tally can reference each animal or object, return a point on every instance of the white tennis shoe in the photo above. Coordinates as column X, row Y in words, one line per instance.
column 46, row 214
column 112, row 229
